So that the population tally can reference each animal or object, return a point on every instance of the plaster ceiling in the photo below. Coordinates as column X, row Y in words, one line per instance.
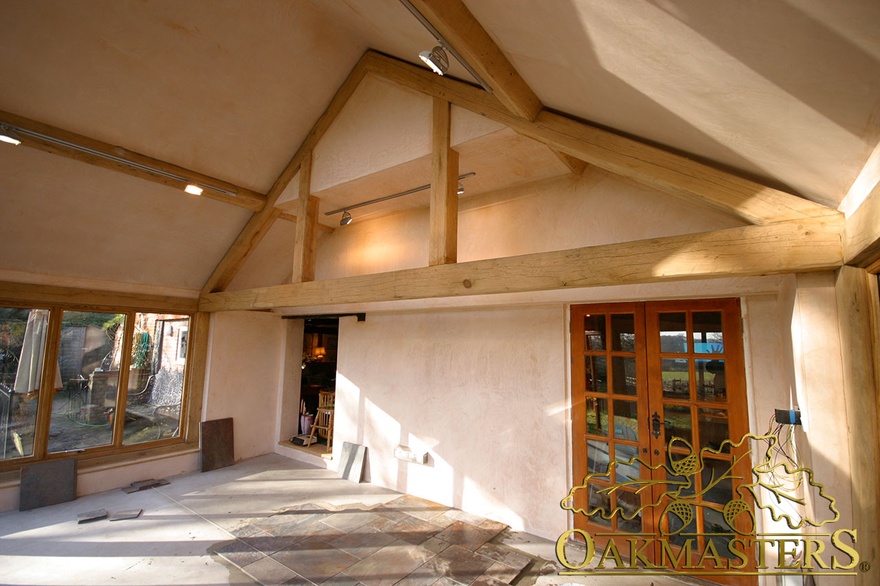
column 784, row 92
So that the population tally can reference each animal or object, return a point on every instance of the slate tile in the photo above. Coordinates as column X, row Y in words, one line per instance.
column 413, row 530
column 362, row 543
column 239, row 553
column 498, row 573
column 416, row 507
column 390, row 564
column 315, row 559
column 468, row 536
column 505, row 555
column 269, row 572
column 459, row 564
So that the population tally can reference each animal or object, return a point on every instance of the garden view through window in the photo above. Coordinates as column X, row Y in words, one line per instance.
column 94, row 380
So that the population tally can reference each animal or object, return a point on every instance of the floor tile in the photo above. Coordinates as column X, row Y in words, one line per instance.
column 466, row 535
column 362, row 543
column 413, row 530
column 390, row 564
column 459, row 564
column 315, row 559
column 416, row 507
column 239, row 553
column 270, row 572
column 505, row 555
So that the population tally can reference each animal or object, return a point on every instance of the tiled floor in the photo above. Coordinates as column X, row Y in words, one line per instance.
column 273, row 520
column 406, row 541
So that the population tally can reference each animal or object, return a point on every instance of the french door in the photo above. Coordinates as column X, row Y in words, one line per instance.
column 657, row 388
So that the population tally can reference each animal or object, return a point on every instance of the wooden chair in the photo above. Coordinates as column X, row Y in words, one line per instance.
column 323, row 423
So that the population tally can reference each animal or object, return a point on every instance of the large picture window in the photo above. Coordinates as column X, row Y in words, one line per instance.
column 89, row 381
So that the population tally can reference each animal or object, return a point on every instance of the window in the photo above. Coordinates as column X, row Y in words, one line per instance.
column 65, row 373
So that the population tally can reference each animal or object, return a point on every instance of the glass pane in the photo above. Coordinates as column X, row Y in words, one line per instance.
column 673, row 332
column 600, row 500
column 682, row 485
column 629, row 502
column 155, row 383
column 623, row 332
column 682, row 521
column 713, row 428
column 626, row 420
column 708, row 334
column 596, row 374
column 89, row 356
column 677, row 419
column 718, row 531
column 624, row 370
column 597, row 416
column 676, row 381
column 711, row 380
column 597, row 457
column 625, row 471
column 717, row 484
column 22, row 346
column 594, row 332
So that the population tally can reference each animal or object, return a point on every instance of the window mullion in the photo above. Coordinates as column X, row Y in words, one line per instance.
column 122, row 390
column 47, row 384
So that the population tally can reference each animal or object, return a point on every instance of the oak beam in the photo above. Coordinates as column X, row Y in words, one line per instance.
column 259, row 224
column 306, row 245
column 457, row 25
column 127, row 162
column 443, row 215
column 112, row 300
column 862, row 241
column 785, row 247
column 649, row 165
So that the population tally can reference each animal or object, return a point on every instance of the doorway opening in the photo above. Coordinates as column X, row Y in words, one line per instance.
column 318, row 383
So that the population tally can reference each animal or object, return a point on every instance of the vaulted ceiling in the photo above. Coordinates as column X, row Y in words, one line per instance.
column 780, row 92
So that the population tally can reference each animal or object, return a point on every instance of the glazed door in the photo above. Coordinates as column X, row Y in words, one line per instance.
column 664, row 382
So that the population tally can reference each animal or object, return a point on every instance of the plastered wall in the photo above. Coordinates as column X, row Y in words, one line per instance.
column 244, row 375
column 482, row 392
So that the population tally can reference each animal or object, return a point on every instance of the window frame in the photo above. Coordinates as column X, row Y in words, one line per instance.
column 57, row 300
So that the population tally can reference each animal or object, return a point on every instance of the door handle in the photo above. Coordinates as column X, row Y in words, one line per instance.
column 655, row 424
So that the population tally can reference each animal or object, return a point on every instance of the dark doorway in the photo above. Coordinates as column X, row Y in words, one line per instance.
column 320, row 342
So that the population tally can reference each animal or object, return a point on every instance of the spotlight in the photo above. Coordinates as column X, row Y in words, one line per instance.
column 8, row 135
column 193, row 189
column 460, row 188
column 436, row 59
column 346, row 219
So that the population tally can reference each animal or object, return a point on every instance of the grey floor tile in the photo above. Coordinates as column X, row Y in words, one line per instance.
column 270, row 572
column 362, row 543
column 239, row 553
column 468, row 536
column 413, row 530
column 390, row 564
column 315, row 559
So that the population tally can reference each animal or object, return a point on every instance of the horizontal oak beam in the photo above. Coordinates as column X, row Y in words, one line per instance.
column 786, row 247
column 649, row 165
column 127, row 162
column 42, row 295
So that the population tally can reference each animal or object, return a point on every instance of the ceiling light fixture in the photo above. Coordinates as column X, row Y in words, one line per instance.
column 436, row 59
column 108, row 157
column 8, row 135
column 193, row 189
column 346, row 215
column 444, row 45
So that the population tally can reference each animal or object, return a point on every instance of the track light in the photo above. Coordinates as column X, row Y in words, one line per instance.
column 12, row 135
column 436, row 59
column 346, row 218
column 460, row 190
column 8, row 135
